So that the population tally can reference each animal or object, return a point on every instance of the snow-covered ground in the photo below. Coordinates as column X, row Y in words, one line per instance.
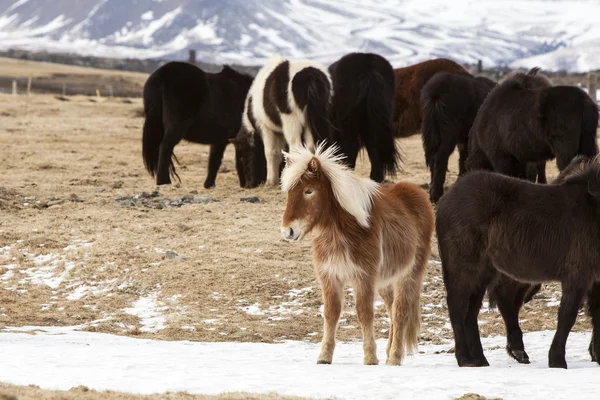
column 61, row 358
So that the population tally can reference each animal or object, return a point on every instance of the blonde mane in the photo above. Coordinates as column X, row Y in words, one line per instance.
column 353, row 193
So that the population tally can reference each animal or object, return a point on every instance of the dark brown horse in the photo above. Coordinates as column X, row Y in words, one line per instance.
column 526, row 119
column 409, row 82
column 449, row 105
column 183, row 102
column 490, row 225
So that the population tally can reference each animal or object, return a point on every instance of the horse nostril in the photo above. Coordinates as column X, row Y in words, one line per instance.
column 291, row 234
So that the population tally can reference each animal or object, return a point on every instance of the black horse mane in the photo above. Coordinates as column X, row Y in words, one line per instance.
column 527, row 80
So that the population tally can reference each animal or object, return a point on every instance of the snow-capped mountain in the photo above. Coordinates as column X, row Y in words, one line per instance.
column 552, row 34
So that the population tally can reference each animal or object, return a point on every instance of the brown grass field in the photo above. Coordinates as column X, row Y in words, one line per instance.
column 83, row 241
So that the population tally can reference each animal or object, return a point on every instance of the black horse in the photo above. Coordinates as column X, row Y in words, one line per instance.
column 362, row 111
column 490, row 226
column 526, row 119
column 449, row 105
column 183, row 102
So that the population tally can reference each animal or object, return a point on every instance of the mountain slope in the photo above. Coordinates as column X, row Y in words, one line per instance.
column 552, row 34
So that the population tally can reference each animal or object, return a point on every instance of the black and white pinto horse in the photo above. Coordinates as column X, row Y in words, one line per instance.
column 288, row 103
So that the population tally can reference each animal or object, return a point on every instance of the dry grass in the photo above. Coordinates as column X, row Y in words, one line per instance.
column 12, row 392
column 26, row 68
column 235, row 279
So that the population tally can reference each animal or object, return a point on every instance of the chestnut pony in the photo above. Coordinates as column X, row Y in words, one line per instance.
column 372, row 236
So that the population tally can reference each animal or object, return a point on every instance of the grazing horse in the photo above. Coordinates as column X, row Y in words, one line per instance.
column 449, row 105
column 526, row 119
column 409, row 82
column 183, row 102
column 489, row 225
column 373, row 236
column 362, row 110
column 288, row 103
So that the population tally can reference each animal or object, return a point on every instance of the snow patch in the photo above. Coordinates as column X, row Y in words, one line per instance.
column 60, row 358
column 149, row 310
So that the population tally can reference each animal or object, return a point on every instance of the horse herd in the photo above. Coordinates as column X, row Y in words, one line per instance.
column 500, row 228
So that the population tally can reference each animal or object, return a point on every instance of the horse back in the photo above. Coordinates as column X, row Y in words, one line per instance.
column 410, row 205
column 409, row 81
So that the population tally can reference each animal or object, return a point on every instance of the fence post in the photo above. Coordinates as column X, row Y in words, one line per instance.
column 479, row 66
column 592, row 85
column 192, row 57
column 14, row 87
column 64, row 89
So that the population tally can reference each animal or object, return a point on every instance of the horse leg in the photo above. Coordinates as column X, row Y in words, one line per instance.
column 214, row 163
column 438, row 172
column 332, row 308
column 458, row 305
column 541, row 172
column 472, row 328
column 593, row 299
column 463, row 153
column 365, row 294
column 239, row 167
column 507, row 165
column 570, row 301
column 387, row 294
column 510, row 295
column 165, row 155
column 273, row 143
column 531, row 172
column 407, row 309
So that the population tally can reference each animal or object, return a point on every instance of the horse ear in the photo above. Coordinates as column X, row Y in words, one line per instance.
column 314, row 165
column 533, row 71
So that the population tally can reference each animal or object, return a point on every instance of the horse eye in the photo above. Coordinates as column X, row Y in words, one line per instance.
column 308, row 191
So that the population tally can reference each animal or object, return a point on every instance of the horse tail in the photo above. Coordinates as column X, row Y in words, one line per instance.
column 589, row 125
column 379, row 95
column 312, row 87
column 409, row 296
column 154, row 129
column 434, row 115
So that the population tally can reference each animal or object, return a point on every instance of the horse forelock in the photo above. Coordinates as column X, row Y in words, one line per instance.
column 352, row 192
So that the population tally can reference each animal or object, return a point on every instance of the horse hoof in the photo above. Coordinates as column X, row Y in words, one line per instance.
column 209, row 185
column 474, row 363
column 558, row 364
column 323, row 362
column 520, row 356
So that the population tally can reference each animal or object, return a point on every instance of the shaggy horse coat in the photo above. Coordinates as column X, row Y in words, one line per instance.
column 183, row 102
column 369, row 235
column 490, row 224
column 409, row 82
column 449, row 105
column 288, row 102
column 525, row 119
column 362, row 110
